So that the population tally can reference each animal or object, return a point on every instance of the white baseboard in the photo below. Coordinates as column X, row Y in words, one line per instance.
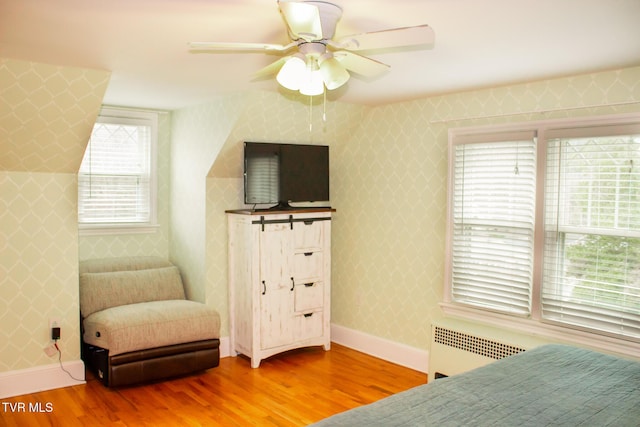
column 391, row 351
column 225, row 347
column 40, row 378
column 401, row 354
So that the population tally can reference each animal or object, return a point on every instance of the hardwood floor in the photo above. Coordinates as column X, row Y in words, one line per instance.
column 291, row 389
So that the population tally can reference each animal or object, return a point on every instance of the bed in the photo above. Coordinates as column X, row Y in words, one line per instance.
column 551, row 385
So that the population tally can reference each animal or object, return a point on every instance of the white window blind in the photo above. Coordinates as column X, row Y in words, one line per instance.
column 115, row 180
column 592, row 229
column 492, row 220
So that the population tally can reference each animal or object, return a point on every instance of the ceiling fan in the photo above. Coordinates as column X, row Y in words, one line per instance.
column 313, row 60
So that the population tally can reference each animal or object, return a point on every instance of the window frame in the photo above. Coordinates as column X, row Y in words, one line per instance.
column 533, row 323
column 113, row 115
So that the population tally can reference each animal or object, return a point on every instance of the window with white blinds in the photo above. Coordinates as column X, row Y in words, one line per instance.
column 544, row 226
column 116, row 180
column 592, row 229
column 493, row 208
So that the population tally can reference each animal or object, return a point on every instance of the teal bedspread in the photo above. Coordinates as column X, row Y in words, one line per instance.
column 552, row 385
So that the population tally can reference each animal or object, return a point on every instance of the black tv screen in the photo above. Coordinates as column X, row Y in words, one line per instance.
column 285, row 173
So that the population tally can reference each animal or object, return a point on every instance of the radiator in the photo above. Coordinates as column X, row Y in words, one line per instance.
column 454, row 351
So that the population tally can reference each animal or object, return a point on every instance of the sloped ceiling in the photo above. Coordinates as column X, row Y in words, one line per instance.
column 46, row 115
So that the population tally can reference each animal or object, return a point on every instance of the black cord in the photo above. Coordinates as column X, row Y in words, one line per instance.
column 62, row 367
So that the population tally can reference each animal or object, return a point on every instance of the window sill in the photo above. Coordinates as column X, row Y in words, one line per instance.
column 111, row 229
column 553, row 333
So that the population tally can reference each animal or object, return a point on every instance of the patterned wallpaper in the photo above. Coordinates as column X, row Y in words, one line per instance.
column 46, row 116
column 199, row 133
column 46, row 113
column 38, row 266
column 388, row 239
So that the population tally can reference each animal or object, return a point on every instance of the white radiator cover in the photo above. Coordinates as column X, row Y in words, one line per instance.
column 456, row 349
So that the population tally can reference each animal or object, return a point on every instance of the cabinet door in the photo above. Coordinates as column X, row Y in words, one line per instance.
column 276, row 256
column 276, row 285
column 276, row 318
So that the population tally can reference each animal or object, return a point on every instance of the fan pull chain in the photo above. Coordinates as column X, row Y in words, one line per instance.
column 324, row 110
column 324, row 106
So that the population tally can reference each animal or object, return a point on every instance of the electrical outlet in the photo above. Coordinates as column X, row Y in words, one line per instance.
column 54, row 322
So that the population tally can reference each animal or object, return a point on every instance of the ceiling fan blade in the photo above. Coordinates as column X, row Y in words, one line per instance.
column 222, row 46
column 271, row 69
column 388, row 39
column 360, row 64
column 303, row 20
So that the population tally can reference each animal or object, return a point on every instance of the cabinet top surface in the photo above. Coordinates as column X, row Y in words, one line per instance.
column 278, row 212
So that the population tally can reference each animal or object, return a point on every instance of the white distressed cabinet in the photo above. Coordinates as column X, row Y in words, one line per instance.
column 279, row 281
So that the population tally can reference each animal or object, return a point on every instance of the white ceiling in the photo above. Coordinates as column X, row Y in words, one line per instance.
column 478, row 43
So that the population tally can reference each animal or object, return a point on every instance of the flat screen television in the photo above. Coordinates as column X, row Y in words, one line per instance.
column 281, row 174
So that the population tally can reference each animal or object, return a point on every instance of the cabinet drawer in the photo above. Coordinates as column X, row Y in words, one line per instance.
column 308, row 325
column 307, row 266
column 309, row 235
column 309, row 296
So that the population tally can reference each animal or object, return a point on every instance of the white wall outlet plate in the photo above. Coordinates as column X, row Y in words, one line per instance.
column 54, row 322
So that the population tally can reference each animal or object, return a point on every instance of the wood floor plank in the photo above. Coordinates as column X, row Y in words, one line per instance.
column 291, row 389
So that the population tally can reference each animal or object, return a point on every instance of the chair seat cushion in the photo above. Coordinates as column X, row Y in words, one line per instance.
column 152, row 324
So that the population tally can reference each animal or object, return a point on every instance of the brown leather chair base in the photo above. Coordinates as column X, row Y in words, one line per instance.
column 152, row 364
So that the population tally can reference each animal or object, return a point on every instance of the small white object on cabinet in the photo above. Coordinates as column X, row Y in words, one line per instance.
column 279, row 281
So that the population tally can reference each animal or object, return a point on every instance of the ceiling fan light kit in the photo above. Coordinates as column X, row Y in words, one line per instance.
column 334, row 74
column 291, row 74
column 320, row 61
column 312, row 84
column 311, row 70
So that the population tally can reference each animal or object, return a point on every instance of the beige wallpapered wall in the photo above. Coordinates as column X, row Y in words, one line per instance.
column 38, row 266
column 46, row 117
column 46, row 112
column 199, row 133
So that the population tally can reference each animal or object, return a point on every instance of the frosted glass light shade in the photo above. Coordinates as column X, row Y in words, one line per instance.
column 292, row 73
column 333, row 73
column 312, row 83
